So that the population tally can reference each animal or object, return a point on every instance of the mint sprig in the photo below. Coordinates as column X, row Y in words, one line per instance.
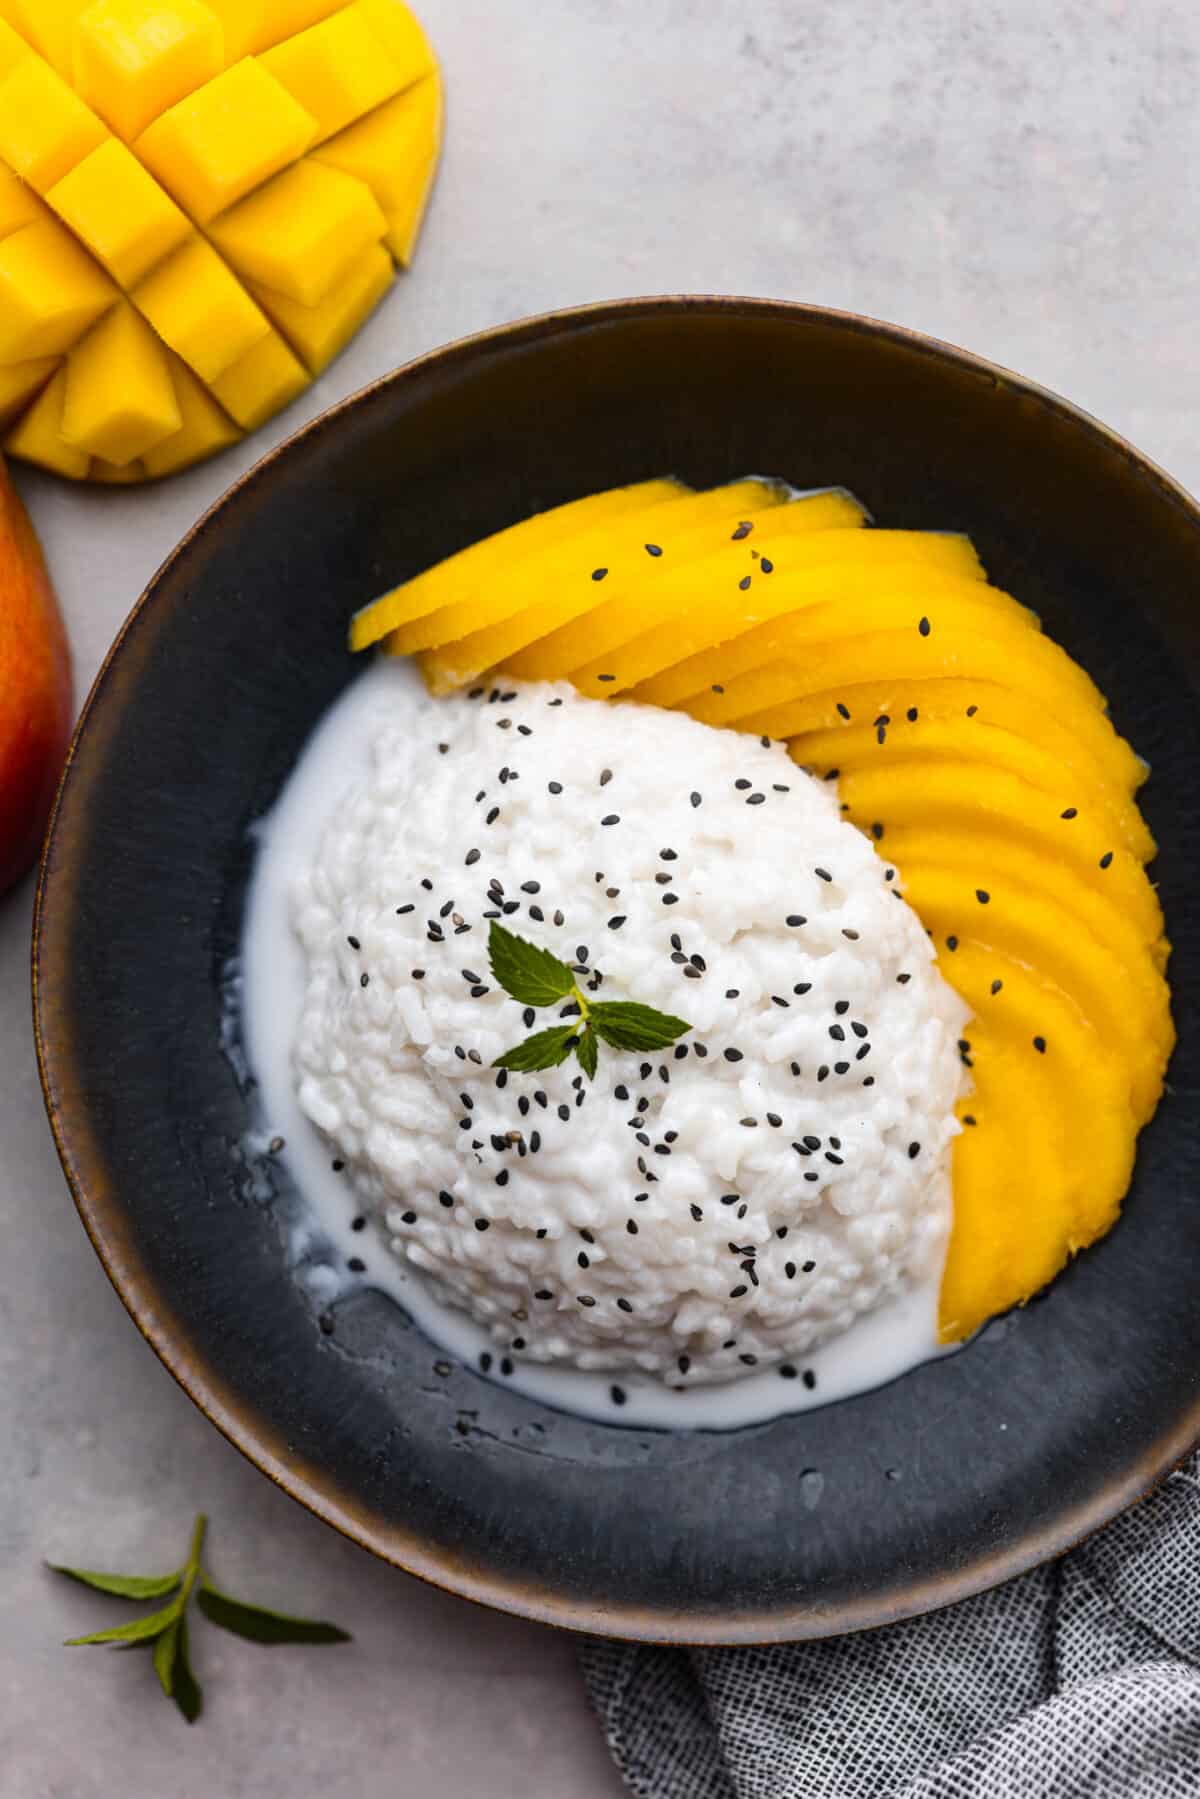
column 166, row 1629
column 536, row 977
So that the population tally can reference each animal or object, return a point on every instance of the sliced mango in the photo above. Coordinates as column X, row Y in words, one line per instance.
column 911, row 737
column 338, row 70
column 132, row 59
column 317, row 333
column 119, row 399
column 1025, row 1197
column 45, row 26
column 481, row 565
column 116, row 474
column 300, row 232
column 37, row 434
column 119, row 211
column 692, row 529
column 856, row 593
column 1027, row 661
column 45, row 128
column 714, row 555
column 398, row 27
column 50, row 292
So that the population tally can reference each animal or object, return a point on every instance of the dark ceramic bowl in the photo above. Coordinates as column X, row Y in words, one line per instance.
column 950, row 1480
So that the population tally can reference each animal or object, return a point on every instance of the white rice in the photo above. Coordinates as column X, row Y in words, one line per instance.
column 720, row 1214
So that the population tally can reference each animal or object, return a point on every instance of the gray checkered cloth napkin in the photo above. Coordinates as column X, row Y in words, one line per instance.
column 1078, row 1681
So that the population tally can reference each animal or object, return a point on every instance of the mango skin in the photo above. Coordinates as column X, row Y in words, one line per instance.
column 971, row 749
column 35, row 689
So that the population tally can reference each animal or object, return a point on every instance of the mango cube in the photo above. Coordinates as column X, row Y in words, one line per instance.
column 300, row 231
column 394, row 148
column 199, row 309
column 119, row 397
column 400, row 30
column 19, row 205
column 19, row 382
column 233, row 133
column 204, row 427
column 254, row 25
column 337, row 70
column 262, row 383
column 37, row 434
column 317, row 333
column 177, row 260
column 13, row 48
column 50, row 292
column 45, row 25
column 119, row 211
column 45, row 128
column 116, row 474
column 135, row 58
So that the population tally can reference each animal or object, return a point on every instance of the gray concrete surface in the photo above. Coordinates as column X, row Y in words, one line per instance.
column 1015, row 175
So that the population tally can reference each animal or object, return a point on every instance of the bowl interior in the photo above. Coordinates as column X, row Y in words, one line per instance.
column 954, row 1477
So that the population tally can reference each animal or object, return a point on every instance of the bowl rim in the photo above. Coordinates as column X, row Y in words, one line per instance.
column 99, row 1206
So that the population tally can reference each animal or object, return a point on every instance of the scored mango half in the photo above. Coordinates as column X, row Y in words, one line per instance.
column 973, row 751
column 200, row 203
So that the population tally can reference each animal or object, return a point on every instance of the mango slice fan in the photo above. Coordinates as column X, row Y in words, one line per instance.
column 975, row 753
column 200, row 203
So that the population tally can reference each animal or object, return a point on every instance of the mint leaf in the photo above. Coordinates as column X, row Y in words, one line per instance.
column 530, row 974
column 585, row 1053
column 260, row 1625
column 627, row 1025
column 123, row 1586
column 164, row 1657
column 186, row 1693
column 140, row 1630
column 545, row 1049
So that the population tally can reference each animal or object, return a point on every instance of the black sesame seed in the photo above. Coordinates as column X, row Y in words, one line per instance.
column 952, row 943
column 485, row 1361
column 822, row 1073
column 809, row 1379
column 684, row 1363
column 903, row 979
column 914, row 1150
column 401, row 910
column 623, row 1305
column 924, row 627
column 802, row 987
column 364, row 980
column 555, row 786
column 996, row 986
column 733, row 1055
column 697, row 1213
column 605, row 678
column 756, row 799
column 852, row 935
column 1106, row 859
column 564, row 1113
column 446, row 1199
column 971, row 711
column 1071, row 812
column 911, row 715
column 598, row 574
column 614, row 924
column 744, row 583
column 774, row 1120
column 492, row 816
column 481, row 1224
column 795, row 920
column 695, row 798
column 982, row 895
column 717, row 688
column 837, row 1033
column 767, row 566
column 611, row 818
column 668, row 855
column 738, row 1292
column 585, row 1299
column 582, row 1259
column 1039, row 1043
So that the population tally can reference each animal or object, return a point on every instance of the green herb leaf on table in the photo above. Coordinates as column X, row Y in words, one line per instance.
column 123, row 1586
column 536, row 977
column 138, row 1630
column 166, row 1629
column 545, row 1049
column 260, row 1625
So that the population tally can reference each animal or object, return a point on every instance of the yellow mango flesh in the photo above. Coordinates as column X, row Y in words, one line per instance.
column 972, row 750
column 1025, row 1197
column 120, row 399
column 482, row 565
column 175, row 143
column 717, row 559
column 915, row 736
column 633, row 572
